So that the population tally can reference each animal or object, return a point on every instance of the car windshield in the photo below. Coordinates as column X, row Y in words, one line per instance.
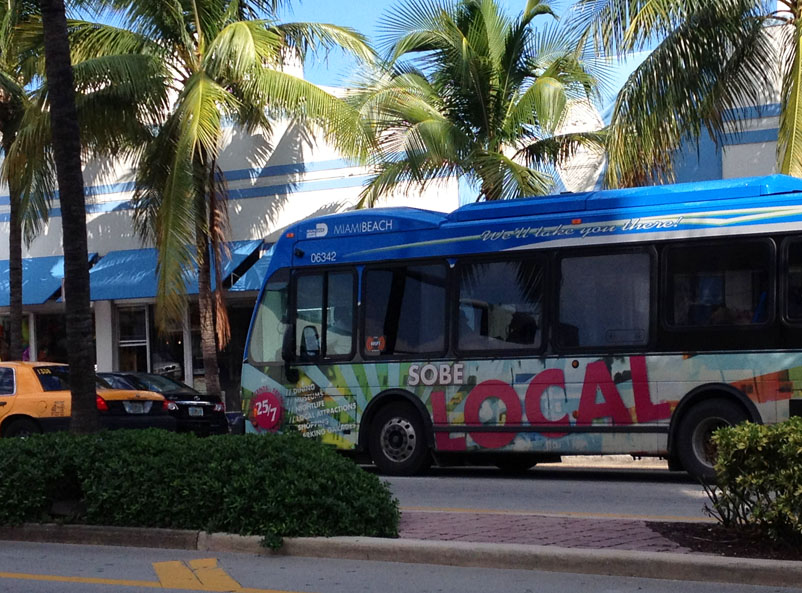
column 162, row 384
column 124, row 381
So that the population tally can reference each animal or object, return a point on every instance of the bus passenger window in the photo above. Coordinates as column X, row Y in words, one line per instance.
column 604, row 300
column 405, row 310
column 718, row 285
column 500, row 305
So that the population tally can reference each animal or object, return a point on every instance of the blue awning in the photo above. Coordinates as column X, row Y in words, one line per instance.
column 131, row 274
column 41, row 279
column 253, row 277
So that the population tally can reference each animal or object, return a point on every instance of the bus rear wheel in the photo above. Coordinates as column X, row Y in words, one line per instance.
column 695, row 447
column 398, row 442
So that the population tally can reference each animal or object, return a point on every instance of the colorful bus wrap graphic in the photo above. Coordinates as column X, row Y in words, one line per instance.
column 616, row 404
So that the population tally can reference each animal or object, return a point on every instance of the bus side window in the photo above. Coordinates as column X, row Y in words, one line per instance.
column 604, row 300
column 500, row 304
column 793, row 287
column 720, row 285
column 405, row 310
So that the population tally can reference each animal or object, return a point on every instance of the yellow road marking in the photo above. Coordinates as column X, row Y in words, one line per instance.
column 196, row 575
column 85, row 580
column 176, row 575
column 578, row 515
column 212, row 576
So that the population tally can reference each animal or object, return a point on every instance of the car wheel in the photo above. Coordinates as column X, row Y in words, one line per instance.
column 397, row 441
column 695, row 447
column 21, row 427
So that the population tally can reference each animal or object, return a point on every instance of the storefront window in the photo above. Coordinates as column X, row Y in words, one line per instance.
column 51, row 338
column 133, row 343
column 5, row 328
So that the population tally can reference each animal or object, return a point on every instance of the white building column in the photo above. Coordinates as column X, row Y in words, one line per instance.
column 104, row 336
column 189, row 379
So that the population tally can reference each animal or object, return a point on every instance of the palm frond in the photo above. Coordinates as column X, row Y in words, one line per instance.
column 240, row 48
column 555, row 150
column 199, row 112
column 789, row 146
column 286, row 94
column 29, row 166
column 504, row 179
column 390, row 175
column 325, row 37
column 692, row 81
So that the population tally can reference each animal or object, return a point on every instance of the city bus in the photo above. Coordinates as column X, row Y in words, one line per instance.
column 632, row 321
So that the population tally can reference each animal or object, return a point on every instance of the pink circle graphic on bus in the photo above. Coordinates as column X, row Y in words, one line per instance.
column 266, row 410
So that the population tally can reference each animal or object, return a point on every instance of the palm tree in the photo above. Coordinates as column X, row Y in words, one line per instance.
column 474, row 94
column 707, row 59
column 225, row 65
column 12, row 100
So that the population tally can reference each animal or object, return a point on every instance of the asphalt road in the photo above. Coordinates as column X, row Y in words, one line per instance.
column 596, row 489
column 53, row 568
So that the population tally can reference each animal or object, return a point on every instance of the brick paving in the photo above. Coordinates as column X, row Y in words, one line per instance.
column 512, row 528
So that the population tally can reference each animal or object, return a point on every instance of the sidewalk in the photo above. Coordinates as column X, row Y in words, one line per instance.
column 536, row 530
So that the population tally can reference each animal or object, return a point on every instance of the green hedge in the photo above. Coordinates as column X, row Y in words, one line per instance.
column 759, row 475
column 273, row 486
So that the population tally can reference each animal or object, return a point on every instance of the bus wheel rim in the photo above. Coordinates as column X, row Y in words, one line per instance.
column 398, row 439
column 701, row 440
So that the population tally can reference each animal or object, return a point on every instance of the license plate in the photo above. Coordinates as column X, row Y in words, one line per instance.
column 134, row 407
column 195, row 411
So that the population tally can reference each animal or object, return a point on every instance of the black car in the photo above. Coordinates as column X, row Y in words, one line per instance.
column 197, row 412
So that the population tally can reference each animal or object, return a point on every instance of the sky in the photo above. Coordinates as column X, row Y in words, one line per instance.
column 364, row 16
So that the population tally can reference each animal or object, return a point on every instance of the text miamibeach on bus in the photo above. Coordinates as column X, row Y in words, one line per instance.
column 631, row 321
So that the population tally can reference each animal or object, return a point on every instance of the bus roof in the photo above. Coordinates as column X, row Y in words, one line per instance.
column 650, row 201
column 679, row 193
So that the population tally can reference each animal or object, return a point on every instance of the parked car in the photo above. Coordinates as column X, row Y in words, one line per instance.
column 35, row 397
column 200, row 413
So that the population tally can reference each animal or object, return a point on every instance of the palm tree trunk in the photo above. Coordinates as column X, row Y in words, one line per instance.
column 67, row 153
column 15, row 276
column 206, row 310
column 14, row 265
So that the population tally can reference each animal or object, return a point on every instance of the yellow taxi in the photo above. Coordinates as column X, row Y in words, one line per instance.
column 35, row 397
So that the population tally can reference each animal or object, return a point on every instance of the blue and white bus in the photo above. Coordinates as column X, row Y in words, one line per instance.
column 631, row 321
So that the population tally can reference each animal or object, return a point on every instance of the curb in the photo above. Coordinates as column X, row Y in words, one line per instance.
column 625, row 563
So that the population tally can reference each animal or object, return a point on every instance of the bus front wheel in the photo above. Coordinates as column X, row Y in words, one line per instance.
column 696, row 450
column 398, row 441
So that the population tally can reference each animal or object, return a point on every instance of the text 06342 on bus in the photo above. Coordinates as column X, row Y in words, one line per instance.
column 631, row 321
